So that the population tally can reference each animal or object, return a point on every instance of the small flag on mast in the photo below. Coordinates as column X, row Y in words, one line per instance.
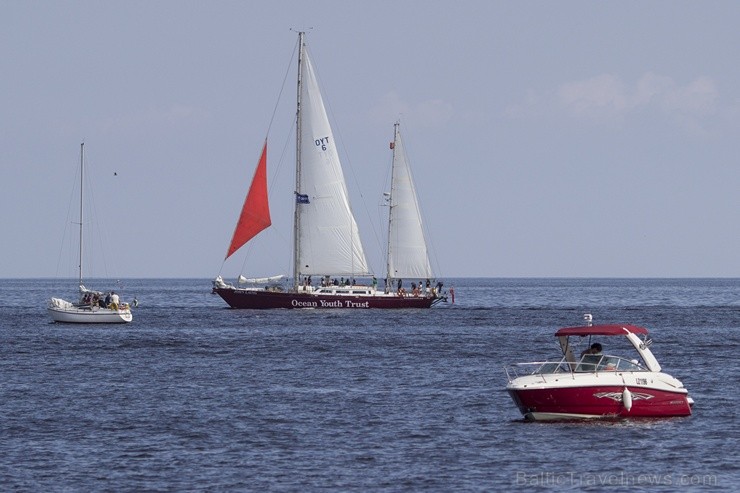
column 301, row 198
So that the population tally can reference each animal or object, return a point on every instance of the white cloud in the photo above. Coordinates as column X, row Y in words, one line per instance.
column 430, row 113
column 696, row 98
column 603, row 95
column 607, row 97
column 650, row 87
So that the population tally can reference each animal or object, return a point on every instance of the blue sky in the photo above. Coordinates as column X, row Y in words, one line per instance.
column 568, row 139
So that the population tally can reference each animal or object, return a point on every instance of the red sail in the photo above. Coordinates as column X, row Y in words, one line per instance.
column 255, row 214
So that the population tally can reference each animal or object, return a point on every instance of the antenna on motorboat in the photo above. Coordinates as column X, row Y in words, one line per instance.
column 646, row 343
column 589, row 319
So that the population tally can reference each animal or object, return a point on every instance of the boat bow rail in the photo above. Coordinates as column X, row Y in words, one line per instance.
column 518, row 370
column 606, row 363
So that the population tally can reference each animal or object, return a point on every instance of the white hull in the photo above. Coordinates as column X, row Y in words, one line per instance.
column 86, row 315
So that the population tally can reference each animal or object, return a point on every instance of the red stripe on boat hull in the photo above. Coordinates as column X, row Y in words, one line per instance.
column 603, row 401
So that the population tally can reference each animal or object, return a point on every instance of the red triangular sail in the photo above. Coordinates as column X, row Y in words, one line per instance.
column 255, row 214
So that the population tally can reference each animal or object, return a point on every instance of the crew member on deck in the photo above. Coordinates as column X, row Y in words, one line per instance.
column 114, row 300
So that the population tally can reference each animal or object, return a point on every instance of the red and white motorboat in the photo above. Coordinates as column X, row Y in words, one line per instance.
column 597, row 385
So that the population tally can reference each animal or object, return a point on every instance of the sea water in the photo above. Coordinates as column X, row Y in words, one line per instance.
column 194, row 396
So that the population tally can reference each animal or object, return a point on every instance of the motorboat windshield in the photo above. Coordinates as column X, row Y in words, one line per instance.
column 589, row 363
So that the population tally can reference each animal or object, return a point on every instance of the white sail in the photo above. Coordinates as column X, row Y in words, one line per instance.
column 329, row 239
column 407, row 249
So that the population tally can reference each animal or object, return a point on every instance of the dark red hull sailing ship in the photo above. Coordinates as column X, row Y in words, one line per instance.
column 354, row 298
column 326, row 238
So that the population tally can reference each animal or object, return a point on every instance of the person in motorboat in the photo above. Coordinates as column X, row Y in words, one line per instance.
column 595, row 348
column 590, row 358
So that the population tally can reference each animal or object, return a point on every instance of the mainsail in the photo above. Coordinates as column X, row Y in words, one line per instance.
column 255, row 215
column 407, row 249
column 328, row 236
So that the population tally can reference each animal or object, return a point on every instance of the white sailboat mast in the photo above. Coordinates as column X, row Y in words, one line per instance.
column 296, row 214
column 389, row 272
column 82, row 195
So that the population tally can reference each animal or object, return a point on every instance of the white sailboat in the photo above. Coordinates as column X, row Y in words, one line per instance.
column 327, row 243
column 93, row 306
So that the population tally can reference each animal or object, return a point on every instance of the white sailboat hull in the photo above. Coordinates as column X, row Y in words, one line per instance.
column 66, row 312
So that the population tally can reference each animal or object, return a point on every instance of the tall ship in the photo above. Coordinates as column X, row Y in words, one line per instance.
column 326, row 238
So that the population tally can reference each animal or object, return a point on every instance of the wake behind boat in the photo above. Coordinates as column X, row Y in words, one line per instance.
column 327, row 251
column 597, row 385
column 93, row 307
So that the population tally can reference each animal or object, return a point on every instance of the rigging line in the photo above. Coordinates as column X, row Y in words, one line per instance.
column 72, row 197
column 281, row 160
column 269, row 127
column 223, row 261
column 282, row 88
column 246, row 256
column 273, row 183
column 98, row 232
column 383, row 215
column 428, row 237
column 274, row 179
column 287, row 147
column 94, row 224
